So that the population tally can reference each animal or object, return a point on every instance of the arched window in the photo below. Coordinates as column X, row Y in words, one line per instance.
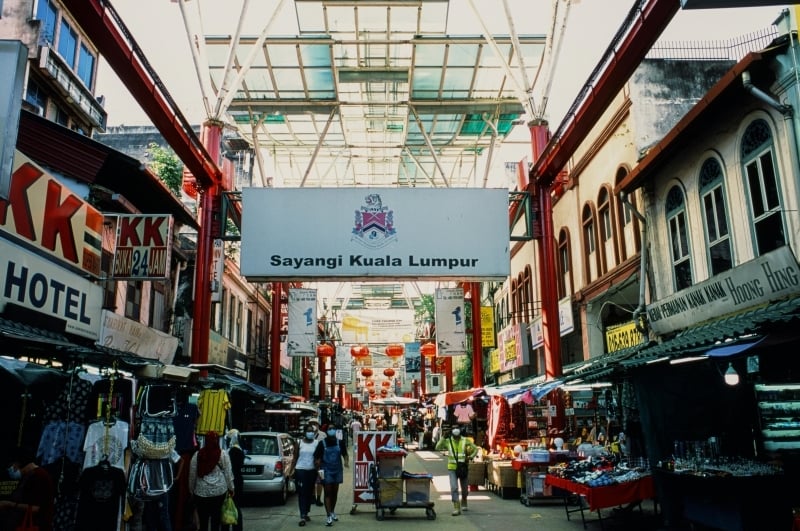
column 590, row 258
column 679, row 238
column 764, row 194
column 564, row 265
column 627, row 225
column 608, row 253
column 715, row 217
column 522, row 296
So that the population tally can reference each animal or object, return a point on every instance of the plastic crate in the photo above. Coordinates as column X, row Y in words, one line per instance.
column 390, row 467
column 391, row 492
column 418, row 490
column 535, row 485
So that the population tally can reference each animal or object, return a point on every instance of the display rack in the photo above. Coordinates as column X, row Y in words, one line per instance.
column 394, row 489
column 779, row 415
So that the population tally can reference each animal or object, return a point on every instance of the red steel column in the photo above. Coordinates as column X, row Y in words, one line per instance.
column 209, row 217
column 275, row 338
column 546, row 256
column 322, row 368
column 306, row 370
column 423, row 387
column 477, row 344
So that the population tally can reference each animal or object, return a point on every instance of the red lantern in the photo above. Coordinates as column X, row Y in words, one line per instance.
column 384, row 392
column 366, row 372
column 325, row 350
column 371, row 392
column 428, row 350
column 370, row 384
column 388, row 372
column 395, row 350
column 386, row 384
column 359, row 351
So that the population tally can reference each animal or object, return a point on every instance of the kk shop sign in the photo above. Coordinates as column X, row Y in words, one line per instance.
column 143, row 246
column 47, row 217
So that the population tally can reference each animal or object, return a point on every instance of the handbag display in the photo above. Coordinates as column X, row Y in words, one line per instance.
column 27, row 522
column 229, row 514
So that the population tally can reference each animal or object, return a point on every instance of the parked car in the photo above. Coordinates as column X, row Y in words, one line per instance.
column 267, row 456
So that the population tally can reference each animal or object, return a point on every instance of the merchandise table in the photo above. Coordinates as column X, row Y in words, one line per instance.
column 597, row 498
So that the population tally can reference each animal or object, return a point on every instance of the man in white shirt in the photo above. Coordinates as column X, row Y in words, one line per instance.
column 372, row 423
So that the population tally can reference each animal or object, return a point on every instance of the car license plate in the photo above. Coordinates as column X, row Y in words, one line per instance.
column 250, row 469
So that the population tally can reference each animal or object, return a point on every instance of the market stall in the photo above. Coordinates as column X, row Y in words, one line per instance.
column 597, row 498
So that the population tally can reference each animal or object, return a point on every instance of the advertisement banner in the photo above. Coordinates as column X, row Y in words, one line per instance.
column 301, row 339
column 380, row 233
column 450, row 328
column 377, row 326
column 127, row 335
column 344, row 365
column 47, row 217
column 487, row 327
column 366, row 446
column 513, row 346
column 143, row 247
column 41, row 285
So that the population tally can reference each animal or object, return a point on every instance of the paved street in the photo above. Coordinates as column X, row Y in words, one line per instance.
column 487, row 510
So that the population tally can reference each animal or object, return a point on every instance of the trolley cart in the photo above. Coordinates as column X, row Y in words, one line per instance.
column 394, row 490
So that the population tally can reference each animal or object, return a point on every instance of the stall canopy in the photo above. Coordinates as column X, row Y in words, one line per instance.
column 394, row 401
column 455, row 397
column 236, row 383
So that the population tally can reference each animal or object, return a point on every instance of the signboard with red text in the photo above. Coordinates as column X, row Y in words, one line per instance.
column 143, row 246
column 366, row 454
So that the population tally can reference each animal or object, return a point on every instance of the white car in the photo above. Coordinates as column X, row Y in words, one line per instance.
column 267, row 457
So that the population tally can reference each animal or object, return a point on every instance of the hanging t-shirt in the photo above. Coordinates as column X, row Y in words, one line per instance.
column 213, row 405
column 95, row 444
column 463, row 413
column 102, row 493
column 184, row 423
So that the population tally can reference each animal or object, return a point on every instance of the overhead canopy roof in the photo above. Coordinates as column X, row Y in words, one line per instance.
column 373, row 94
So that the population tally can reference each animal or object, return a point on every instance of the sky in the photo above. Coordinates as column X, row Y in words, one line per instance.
column 159, row 30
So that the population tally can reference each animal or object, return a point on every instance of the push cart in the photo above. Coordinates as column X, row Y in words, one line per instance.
column 395, row 489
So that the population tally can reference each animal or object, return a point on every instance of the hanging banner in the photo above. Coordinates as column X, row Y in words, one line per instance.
column 344, row 365
column 487, row 327
column 450, row 330
column 301, row 338
column 387, row 233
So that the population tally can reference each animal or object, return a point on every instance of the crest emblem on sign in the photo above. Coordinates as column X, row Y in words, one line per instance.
column 374, row 224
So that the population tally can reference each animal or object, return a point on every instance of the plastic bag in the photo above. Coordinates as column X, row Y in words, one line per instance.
column 229, row 514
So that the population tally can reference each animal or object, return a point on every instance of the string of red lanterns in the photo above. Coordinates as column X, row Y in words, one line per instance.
column 395, row 350
column 359, row 351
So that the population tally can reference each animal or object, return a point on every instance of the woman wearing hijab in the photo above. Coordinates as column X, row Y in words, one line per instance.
column 236, row 455
column 210, row 480
column 305, row 465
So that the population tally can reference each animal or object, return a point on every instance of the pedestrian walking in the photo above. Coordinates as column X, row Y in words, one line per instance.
column 333, row 457
column 460, row 451
column 210, row 480
column 305, row 465
column 236, row 455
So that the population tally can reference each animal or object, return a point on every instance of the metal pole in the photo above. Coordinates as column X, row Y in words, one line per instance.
column 477, row 344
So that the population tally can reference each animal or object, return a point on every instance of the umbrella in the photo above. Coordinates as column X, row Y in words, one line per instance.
column 394, row 401
column 455, row 397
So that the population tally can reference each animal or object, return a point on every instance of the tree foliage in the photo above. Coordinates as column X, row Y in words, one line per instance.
column 167, row 166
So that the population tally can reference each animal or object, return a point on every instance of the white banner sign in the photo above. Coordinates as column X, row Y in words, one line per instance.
column 127, row 335
column 301, row 339
column 450, row 329
column 344, row 366
column 390, row 233
column 43, row 286
column 378, row 326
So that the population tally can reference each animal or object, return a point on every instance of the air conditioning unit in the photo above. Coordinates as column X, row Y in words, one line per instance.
column 434, row 383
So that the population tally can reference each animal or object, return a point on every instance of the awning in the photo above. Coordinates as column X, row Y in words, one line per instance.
column 455, row 397
column 732, row 350
column 754, row 324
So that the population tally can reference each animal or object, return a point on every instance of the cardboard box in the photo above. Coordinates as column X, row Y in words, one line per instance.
column 391, row 492
column 502, row 474
column 418, row 490
column 477, row 474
